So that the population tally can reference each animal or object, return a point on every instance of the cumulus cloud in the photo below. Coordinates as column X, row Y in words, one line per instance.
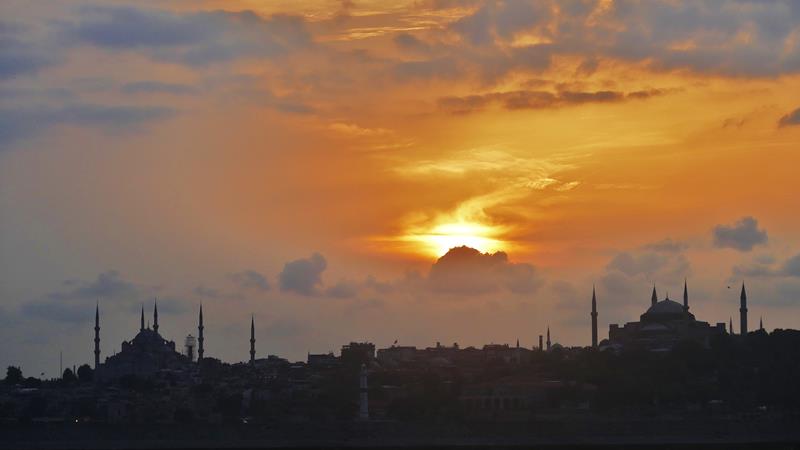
column 75, row 301
column 343, row 289
column 250, row 279
column 793, row 118
column 628, row 273
column 742, row 235
column 108, row 284
column 464, row 270
column 792, row 266
column 303, row 276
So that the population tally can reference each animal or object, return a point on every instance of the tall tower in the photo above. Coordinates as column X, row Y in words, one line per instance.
column 97, row 335
column 200, row 336
column 363, row 400
column 730, row 326
column 594, row 319
column 548, row 338
column 541, row 346
column 155, row 315
column 743, row 312
column 761, row 323
column 141, row 328
column 252, row 340
column 654, row 297
column 685, row 296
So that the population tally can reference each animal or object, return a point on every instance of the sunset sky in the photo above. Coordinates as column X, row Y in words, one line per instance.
column 308, row 162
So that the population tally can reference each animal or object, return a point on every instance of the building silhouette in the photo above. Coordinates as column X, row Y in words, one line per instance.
column 665, row 323
column 143, row 356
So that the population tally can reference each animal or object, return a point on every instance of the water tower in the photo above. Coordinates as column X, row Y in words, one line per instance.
column 191, row 343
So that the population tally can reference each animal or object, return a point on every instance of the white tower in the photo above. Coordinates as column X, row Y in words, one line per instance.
column 190, row 344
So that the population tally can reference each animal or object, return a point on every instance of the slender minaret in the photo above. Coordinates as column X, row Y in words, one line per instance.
column 142, row 326
column 743, row 312
column 517, row 342
column 594, row 319
column 730, row 326
column 155, row 315
column 252, row 340
column 654, row 297
column 761, row 323
column 97, row 335
column 541, row 346
column 200, row 336
column 685, row 296
column 363, row 399
column 548, row 338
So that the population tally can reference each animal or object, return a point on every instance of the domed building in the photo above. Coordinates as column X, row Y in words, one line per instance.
column 143, row 356
column 664, row 324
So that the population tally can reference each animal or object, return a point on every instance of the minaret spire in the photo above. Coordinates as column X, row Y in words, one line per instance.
column 730, row 326
column 200, row 336
column 252, row 340
column 97, row 335
column 155, row 315
column 761, row 323
column 142, row 326
column 685, row 296
column 654, row 297
column 743, row 312
column 548, row 338
column 594, row 318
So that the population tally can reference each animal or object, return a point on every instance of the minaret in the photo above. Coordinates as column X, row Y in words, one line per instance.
column 594, row 319
column 761, row 323
column 730, row 326
column 541, row 347
column 548, row 338
column 155, row 315
column 97, row 335
column 363, row 399
column 685, row 296
column 142, row 327
column 654, row 297
column 743, row 312
column 200, row 336
column 252, row 340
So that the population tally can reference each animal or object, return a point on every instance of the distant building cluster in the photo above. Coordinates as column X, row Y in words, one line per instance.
column 149, row 379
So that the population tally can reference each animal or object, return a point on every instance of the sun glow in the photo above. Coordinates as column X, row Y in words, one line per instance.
column 448, row 235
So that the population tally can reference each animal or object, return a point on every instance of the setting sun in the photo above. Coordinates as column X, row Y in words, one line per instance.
column 449, row 235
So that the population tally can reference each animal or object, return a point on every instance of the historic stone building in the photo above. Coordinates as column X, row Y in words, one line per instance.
column 664, row 324
column 143, row 356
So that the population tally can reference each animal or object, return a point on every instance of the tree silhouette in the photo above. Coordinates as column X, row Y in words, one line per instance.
column 13, row 375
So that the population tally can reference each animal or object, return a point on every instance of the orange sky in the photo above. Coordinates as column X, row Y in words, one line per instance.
column 161, row 148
